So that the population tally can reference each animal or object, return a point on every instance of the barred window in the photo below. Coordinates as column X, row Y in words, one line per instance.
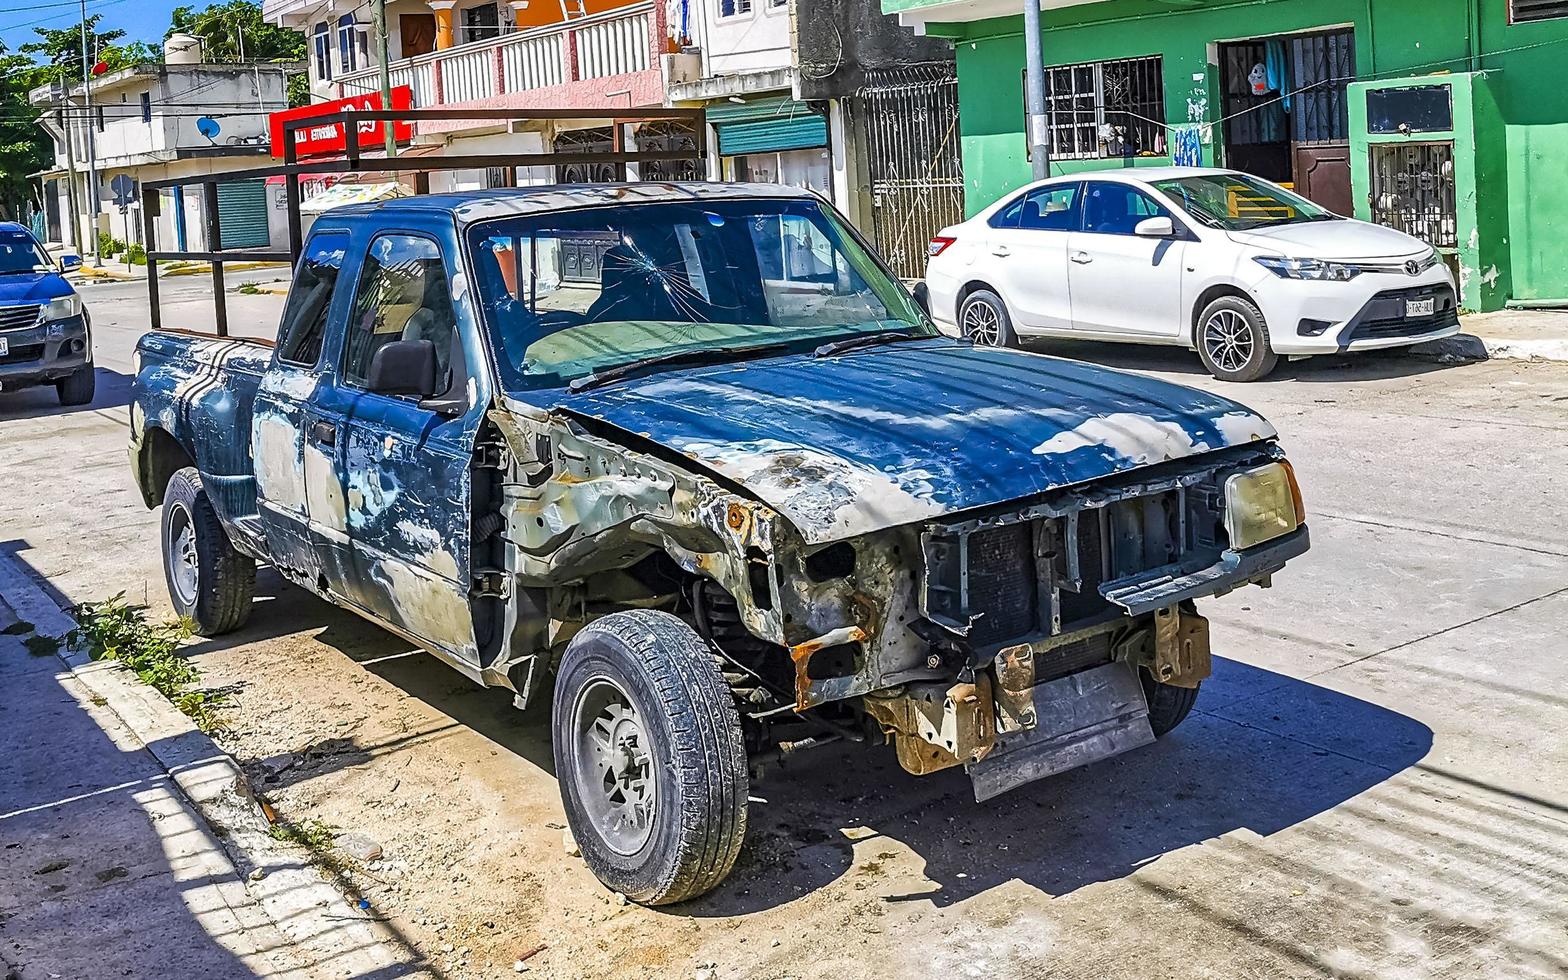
column 1523, row 11
column 1105, row 109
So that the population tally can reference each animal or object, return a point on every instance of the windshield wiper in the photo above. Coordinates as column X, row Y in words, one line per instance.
column 700, row 355
column 865, row 340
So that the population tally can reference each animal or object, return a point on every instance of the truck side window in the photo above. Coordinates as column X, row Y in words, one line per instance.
column 403, row 295
column 305, row 316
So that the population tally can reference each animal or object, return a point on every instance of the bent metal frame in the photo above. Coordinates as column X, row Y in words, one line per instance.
column 352, row 161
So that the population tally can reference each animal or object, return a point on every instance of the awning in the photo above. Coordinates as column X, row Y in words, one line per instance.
column 340, row 194
column 767, row 125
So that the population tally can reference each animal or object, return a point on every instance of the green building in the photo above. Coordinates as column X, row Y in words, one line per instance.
column 1444, row 118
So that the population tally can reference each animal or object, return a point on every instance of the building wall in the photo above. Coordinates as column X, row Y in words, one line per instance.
column 757, row 40
column 1392, row 38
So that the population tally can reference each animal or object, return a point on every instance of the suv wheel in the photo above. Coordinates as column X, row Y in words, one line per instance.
column 1233, row 340
column 983, row 319
column 649, row 756
column 210, row 582
column 1169, row 705
column 78, row 387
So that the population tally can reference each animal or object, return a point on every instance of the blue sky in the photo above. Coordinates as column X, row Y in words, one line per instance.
column 141, row 20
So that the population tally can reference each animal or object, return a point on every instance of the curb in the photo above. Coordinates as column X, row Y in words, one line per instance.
column 281, row 877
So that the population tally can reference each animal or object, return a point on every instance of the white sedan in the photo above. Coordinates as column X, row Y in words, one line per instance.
column 1238, row 268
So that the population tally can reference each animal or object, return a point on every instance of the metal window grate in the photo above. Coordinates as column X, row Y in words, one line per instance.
column 1522, row 11
column 910, row 117
column 1322, row 67
column 1413, row 190
column 1106, row 109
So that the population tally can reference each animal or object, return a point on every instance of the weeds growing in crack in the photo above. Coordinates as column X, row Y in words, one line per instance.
column 116, row 630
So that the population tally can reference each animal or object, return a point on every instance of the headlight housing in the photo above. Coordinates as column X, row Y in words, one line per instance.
column 1262, row 504
column 63, row 308
column 1318, row 270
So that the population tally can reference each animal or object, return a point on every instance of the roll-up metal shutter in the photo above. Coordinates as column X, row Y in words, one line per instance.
column 768, row 125
column 242, row 214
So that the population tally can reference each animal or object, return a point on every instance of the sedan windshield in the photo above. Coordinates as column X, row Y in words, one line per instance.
column 576, row 293
column 19, row 254
column 1235, row 202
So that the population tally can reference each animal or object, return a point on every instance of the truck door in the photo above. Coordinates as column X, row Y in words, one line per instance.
column 282, row 414
column 402, row 466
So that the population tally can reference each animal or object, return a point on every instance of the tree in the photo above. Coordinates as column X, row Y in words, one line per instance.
column 24, row 149
column 60, row 51
column 235, row 32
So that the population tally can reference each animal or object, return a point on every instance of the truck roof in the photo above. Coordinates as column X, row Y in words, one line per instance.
column 471, row 206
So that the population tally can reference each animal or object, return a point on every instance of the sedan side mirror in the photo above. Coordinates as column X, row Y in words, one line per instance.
column 403, row 367
column 1155, row 228
column 70, row 263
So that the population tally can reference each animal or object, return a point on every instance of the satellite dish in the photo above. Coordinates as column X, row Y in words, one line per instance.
column 208, row 127
column 100, row 68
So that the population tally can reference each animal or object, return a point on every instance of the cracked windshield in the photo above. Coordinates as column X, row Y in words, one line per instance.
column 571, row 295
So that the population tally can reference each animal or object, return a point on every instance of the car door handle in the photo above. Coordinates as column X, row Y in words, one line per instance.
column 1002, row 251
column 323, row 433
column 1082, row 258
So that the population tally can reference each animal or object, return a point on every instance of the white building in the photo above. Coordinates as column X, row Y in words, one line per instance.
column 153, row 122
column 738, row 61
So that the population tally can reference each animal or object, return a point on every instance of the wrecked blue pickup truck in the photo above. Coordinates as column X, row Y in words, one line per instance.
column 689, row 464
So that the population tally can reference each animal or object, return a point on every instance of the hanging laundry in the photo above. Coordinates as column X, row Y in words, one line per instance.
column 1275, row 71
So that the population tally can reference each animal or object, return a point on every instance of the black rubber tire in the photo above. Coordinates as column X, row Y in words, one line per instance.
column 698, row 754
column 78, row 387
column 225, row 578
column 1006, row 335
column 1262, row 361
column 1169, row 705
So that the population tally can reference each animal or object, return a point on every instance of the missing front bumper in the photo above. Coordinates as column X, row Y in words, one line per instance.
column 1082, row 718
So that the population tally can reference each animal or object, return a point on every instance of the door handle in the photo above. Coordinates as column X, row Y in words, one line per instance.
column 1082, row 258
column 1001, row 251
column 323, row 433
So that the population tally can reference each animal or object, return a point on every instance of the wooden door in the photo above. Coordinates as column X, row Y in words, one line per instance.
column 1322, row 66
column 1323, row 176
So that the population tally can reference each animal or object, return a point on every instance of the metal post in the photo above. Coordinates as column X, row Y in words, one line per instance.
column 291, row 190
column 150, row 207
column 1034, row 93
column 92, row 159
column 214, row 244
column 378, row 20
column 70, row 177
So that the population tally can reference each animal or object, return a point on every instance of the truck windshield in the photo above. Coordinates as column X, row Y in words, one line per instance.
column 1234, row 202
column 573, row 293
column 19, row 254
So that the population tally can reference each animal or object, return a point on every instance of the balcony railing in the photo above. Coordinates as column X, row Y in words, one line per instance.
column 616, row 42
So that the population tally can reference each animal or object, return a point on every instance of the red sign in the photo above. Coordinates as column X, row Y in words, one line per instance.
column 325, row 137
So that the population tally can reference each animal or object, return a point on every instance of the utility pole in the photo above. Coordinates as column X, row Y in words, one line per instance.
column 70, row 166
column 92, row 158
column 1034, row 93
column 378, row 22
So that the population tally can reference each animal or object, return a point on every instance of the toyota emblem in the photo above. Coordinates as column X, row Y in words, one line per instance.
column 1412, row 267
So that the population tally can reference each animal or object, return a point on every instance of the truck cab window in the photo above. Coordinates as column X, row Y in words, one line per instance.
column 305, row 316
column 403, row 294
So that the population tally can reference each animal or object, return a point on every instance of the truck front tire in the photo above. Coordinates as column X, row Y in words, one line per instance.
column 210, row 583
column 78, row 387
column 649, row 756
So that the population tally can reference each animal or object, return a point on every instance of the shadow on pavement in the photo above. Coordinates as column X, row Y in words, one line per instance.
column 40, row 401
column 1334, row 368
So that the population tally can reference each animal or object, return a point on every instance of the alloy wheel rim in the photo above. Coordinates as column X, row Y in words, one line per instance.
column 1227, row 339
column 613, row 766
column 184, row 562
column 982, row 324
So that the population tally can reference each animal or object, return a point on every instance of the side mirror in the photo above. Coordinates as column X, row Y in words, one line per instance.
column 70, row 263
column 1155, row 228
column 403, row 367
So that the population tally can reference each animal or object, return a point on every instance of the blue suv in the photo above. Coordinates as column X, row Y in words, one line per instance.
column 44, row 330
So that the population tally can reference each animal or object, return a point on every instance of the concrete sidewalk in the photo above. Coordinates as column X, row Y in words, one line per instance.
column 132, row 845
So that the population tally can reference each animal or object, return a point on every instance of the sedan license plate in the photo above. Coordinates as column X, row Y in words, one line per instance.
column 1421, row 307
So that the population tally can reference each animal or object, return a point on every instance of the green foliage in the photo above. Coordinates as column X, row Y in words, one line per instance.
column 235, row 31
column 108, row 245
column 24, row 149
column 117, row 630
column 136, row 255
column 58, row 51
column 313, row 834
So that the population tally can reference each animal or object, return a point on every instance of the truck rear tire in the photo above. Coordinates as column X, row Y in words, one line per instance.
column 649, row 756
column 78, row 387
column 210, row 583
column 1169, row 705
